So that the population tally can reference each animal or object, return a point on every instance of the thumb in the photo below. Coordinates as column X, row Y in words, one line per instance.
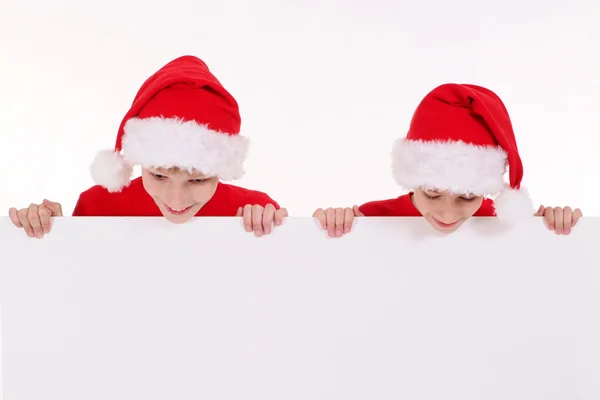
column 56, row 208
column 239, row 212
column 540, row 212
column 357, row 212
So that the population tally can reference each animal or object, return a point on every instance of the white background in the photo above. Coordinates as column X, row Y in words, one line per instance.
column 324, row 87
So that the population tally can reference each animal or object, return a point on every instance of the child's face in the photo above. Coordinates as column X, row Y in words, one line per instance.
column 445, row 211
column 178, row 194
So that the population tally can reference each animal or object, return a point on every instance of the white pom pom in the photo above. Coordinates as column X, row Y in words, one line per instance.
column 513, row 206
column 110, row 170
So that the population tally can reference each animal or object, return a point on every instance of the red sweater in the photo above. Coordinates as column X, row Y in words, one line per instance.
column 134, row 201
column 403, row 207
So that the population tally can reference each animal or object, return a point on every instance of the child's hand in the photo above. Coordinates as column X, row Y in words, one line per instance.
column 36, row 218
column 337, row 221
column 260, row 219
column 558, row 219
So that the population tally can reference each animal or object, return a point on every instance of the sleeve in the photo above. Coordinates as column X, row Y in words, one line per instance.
column 370, row 209
column 487, row 209
column 90, row 203
column 79, row 210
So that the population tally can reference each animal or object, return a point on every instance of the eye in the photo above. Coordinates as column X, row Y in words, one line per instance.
column 468, row 198
column 198, row 181
column 431, row 197
column 158, row 177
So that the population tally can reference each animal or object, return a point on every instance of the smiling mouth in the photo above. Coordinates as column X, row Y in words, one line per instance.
column 443, row 224
column 177, row 212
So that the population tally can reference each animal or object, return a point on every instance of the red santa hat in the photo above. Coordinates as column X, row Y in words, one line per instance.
column 181, row 117
column 461, row 140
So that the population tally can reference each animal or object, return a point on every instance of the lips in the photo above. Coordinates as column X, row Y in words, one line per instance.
column 443, row 224
column 177, row 212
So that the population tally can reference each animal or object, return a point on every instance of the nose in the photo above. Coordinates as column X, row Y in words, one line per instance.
column 448, row 214
column 176, row 197
column 448, row 219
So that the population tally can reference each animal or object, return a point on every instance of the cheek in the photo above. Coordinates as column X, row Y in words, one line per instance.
column 203, row 193
column 151, row 185
column 470, row 208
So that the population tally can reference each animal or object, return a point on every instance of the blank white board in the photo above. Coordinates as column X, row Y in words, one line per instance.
column 139, row 308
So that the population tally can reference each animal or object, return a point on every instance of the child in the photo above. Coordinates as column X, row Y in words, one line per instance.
column 457, row 149
column 183, row 130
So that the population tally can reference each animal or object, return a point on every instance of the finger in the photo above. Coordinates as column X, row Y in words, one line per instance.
column 567, row 220
column 357, row 212
column 12, row 213
column 45, row 213
column 319, row 214
column 24, row 221
column 339, row 222
column 539, row 212
column 34, row 219
column 257, row 214
column 576, row 215
column 280, row 215
column 348, row 219
column 55, row 207
column 24, row 218
column 549, row 217
column 559, row 220
column 330, row 214
column 239, row 212
column 247, row 217
column 267, row 218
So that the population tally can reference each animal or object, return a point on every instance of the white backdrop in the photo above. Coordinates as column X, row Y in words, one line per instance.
column 324, row 87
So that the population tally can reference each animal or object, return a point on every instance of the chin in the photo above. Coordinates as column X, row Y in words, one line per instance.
column 178, row 219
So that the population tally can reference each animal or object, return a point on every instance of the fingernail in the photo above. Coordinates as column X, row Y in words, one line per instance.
column 551, row 226
column 559, row 231
column 339, row 233
column 347, row 229
column 258, row 233
column 248, row 229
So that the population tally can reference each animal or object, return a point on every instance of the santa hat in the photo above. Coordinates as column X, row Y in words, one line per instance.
column 461, row 140
column 181, row 117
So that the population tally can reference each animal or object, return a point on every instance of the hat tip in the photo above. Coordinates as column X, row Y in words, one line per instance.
column 110, row 170
column 514, row 205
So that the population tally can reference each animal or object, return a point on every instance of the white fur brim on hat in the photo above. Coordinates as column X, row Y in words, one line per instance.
column 168, row 142
column 460, row 168
column 457, row 167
